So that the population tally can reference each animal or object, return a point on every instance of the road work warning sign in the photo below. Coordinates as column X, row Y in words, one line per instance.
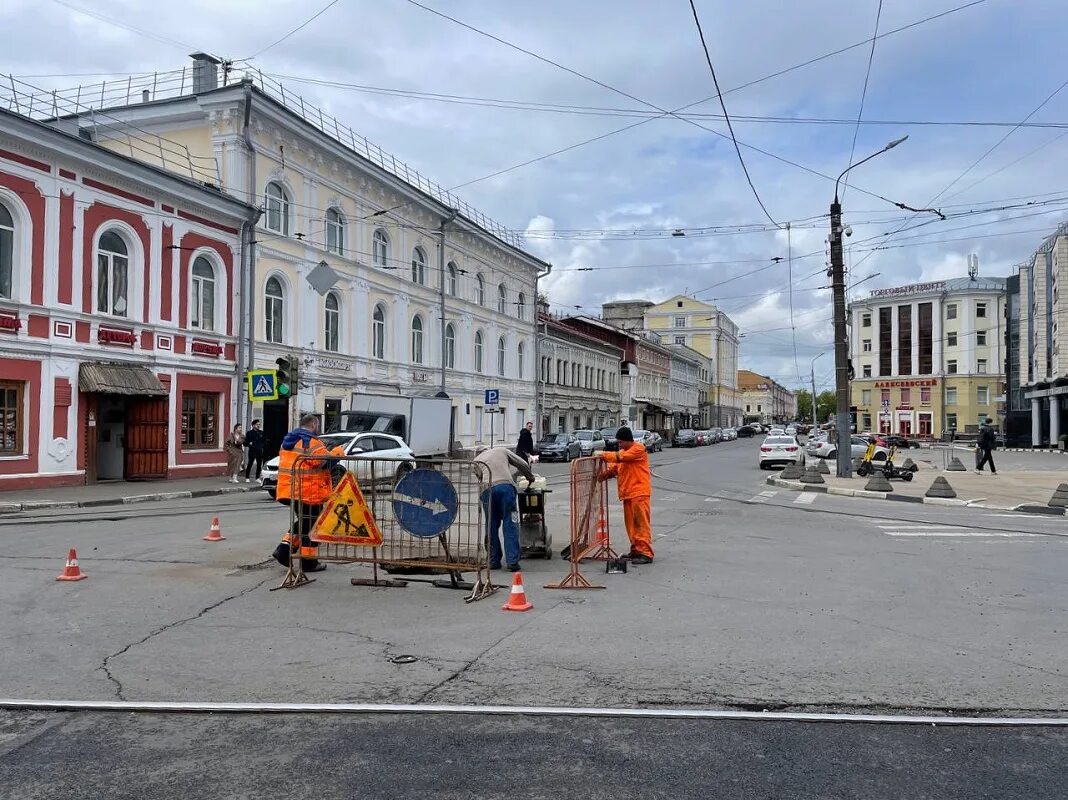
column 346, row 519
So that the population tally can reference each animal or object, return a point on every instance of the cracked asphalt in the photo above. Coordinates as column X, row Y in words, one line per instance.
column 753, row 602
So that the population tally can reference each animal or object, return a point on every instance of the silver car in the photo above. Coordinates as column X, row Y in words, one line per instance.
column 590, row 442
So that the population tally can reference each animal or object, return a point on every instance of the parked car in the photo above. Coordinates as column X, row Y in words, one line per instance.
column 858, row 446
column 791, row 430
column 777, row 432
column 658, row 441
column 650, row 439
column 609, row 435
column 746, row 431
column 702, row 438
column 590, row 442
column 780, row 451
column 729, row 434
column 687, row 437
column 371, row 446
column 715, row 435
column 558, row 447
column 895, row 440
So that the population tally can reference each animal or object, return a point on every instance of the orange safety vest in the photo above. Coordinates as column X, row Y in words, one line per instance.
column 313, row 474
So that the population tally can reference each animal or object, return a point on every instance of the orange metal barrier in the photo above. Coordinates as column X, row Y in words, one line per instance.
column 590, row 536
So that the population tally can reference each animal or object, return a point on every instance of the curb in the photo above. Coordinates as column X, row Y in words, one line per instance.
column 840, row 491
column 48, row 505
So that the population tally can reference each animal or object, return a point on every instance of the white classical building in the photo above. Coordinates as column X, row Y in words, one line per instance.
column 395, row 314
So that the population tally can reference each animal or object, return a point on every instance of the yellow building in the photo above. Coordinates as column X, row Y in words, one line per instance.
column 929, row 358
column 706, row 329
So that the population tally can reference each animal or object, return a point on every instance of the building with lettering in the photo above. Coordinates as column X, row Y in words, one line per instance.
column 928, row 358
column 120, row 326
column 765, row 400
column 375, row 278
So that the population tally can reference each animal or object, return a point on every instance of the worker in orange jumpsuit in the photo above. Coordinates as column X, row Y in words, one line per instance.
column 630, row 466
column 306, row 481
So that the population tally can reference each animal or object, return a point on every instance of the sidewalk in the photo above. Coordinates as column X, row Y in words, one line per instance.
column 1017, row 490
column 118, row 493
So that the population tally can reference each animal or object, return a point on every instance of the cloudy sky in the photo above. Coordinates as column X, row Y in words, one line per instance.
column 609, row 205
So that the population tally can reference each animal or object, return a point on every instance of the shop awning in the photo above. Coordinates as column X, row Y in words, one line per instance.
column 657, row 407
column 119, row 379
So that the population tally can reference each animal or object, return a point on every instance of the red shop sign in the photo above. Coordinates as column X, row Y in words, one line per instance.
column 207, row 349
column 116, row 336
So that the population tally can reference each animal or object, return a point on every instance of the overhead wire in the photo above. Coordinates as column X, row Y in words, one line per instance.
column 295, row 30
column 863, row 94
column 126, row 26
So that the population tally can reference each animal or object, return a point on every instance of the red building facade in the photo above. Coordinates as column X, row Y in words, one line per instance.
column 119, row 314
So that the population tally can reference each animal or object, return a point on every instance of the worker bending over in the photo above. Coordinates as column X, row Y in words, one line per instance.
column 499, row 503
column 630, row 466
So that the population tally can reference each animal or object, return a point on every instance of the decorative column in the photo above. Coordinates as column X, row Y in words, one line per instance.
column 1054, row 420
column 895, row 344
column 1036, row 422
column 915, row 338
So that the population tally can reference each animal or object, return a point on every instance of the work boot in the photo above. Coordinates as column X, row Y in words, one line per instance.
column 639, row 558
column 513, row 567
column 281, row 554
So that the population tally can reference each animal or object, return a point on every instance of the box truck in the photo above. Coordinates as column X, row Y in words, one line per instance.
column 424, row 423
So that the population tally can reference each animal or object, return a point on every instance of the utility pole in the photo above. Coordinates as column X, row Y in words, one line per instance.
column 841, row 347
column 441, row 268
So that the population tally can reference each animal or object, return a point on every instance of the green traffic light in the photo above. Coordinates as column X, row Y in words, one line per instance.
column 283, row 390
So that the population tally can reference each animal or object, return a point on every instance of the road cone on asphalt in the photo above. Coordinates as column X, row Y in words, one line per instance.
column 214, row 534
column 517, row 600
column 72, row 572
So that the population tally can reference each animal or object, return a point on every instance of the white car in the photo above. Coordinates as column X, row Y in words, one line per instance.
column 858, row 446
column 776, row 432
column 791, row 430
column 780, row 451
column 371, row 446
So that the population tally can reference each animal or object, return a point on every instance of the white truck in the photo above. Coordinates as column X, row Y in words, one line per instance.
column 424, row 423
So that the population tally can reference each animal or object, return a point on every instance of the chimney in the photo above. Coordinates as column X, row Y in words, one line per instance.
column 145, row 95
column 205, row 72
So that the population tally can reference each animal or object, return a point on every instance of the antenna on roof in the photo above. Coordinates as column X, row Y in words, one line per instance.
column 973, row 266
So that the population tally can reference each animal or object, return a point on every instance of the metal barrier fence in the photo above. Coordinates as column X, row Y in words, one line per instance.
column 398, row 515
column 590, row 536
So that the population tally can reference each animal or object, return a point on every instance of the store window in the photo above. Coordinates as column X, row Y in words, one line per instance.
column 11, row 417
column 200, row 413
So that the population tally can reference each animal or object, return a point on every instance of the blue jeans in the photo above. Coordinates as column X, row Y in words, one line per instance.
column 499, row 505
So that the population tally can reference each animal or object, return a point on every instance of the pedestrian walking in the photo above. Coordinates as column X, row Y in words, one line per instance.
column 255, row 441
column 630, row 467
column 234, row 452
column 499, row 503
column 304, row 471
column 525, row 448
column 988, row 440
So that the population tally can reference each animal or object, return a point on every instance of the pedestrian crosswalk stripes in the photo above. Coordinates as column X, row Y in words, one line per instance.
column 805, row 499
column 763, row 497
column 907, row 530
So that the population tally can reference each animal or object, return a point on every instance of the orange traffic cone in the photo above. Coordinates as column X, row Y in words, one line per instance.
column 602, row 529
column 72, row 572
column 517, row 601
column 214, row 535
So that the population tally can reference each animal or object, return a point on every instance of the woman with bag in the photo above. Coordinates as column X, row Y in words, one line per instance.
column 233, row 448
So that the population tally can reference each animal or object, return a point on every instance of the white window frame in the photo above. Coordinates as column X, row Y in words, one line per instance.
column 980, row 338
column 865, row 320
column 982, row 395
column 332, row 316
column 335, row 231
column 680, row 322
column 951, row 395
column 450, row 347
column 521, row 306
column 418, row 338
column 114, row 261
column 451, row 286
column 378, row 332
column 200, row 288
column 866, row 345
column 980, row 310
column 951, row 366
column 11, row 232
column 951, row 339
column 951, row 311
column 282, row 207
column 980, row 366
column 502, row 299
column 502, row 356
column 479, row 349
column 419, row 266
column 520, row 354
column 480, row 290
column 380, row 246
column 274, row 323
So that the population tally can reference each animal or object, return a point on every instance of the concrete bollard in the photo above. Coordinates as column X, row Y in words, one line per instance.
column 821, row 465
column 1060, row 497
column 791, row 472
column 910, row 465
column 878, row 483
column 955, row 465
column 940, row 488
column 812, row 475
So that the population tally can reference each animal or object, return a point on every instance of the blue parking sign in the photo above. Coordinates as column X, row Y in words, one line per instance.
column 493, row 397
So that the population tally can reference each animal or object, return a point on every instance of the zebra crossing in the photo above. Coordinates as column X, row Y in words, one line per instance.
column 800, row 498
column 924, row 530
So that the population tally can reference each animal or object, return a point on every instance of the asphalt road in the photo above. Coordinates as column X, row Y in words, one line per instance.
column 759, row 598
column 251, row 757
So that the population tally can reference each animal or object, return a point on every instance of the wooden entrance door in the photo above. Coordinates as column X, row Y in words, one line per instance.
column 146, row 438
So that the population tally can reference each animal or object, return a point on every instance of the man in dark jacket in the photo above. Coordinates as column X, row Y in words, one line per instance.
column 525, row 448
column 254, row 441
column 987, row 441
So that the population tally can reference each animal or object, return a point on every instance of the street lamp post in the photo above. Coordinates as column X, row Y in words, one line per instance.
column 841, row 343
column 812, row 369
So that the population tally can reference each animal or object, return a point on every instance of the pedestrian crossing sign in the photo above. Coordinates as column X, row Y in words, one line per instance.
column 346, row 519
column 262, row 384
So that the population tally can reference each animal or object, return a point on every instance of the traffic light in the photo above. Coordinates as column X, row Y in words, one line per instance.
column 286, row 376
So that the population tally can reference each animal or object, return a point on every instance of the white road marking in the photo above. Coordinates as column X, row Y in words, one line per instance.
column 805, row 498
column 763, row 497
column 712, row 500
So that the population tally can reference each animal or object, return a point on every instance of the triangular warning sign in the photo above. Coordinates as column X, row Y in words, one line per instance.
column 346, row 519
column 263, row 386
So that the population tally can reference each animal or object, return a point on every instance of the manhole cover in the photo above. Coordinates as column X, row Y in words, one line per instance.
column 403, row 659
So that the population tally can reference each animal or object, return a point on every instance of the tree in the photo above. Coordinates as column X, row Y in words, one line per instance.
column 826, row 402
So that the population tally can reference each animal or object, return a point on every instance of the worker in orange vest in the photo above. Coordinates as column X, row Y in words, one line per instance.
column 630, row 466
column 304, row 477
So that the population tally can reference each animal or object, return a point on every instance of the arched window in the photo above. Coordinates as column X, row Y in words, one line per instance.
column 380, row 248
column 478, row 351
column 502, row 302
column 500, row 356
column 520, row 353
column 276, row 204
column 450, row 287
column 521, row 306
column 417, row 339
column 202, row 294
column 378, row 332
column 273, row 311
column 419, row 266
column 332, row 338
column 112, row 274
column 7, row 252
column 335, row 231
column 480, row 290
column 450, row 347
